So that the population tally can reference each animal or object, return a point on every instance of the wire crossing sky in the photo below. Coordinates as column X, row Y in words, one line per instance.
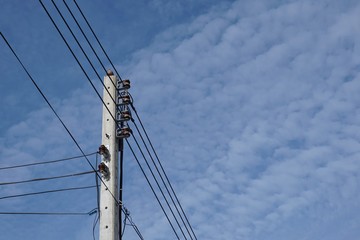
column 252, row 107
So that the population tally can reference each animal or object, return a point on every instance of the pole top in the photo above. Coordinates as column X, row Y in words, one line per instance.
column 109, row 72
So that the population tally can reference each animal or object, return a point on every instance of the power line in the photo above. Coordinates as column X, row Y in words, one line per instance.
column 52, row 108
column 50, row 213
column 97, row 92
column 97, row 39
column 47, row 101
column 49, row 191
column 82, row 50
column 152, row 189
column 157, row 183
column 87, row 40
column 128, row 217
column 163, row 170
column 136, row 126
column 88, row 78
column 68, row 131
column 162, row 179
column 46, row 178
column 108, row 58
column 46, row 162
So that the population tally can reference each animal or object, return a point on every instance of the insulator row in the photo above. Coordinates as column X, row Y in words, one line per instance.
column 123, row 113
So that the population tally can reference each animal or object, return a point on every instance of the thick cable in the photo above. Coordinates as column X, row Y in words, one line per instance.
column 44, row 192
column 97, row 188
column 152, row 189
column 46, row 162
column 121, row 180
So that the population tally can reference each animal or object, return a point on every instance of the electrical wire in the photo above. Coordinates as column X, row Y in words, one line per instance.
column 108, row 58
column 44, row 192
column 88, row 78
column 128, row 217
column 97, row 39
column 163, row 170
column 63, row 124
column 162, row 179
column 87, row 39
column 48, row 213
column 124, row 227
column 105, row 88
column 72, row 137
column 46, row 162
column 152, row 189
column 157, row 183
column 46, row 178
column 96, row 219
column 82, row 50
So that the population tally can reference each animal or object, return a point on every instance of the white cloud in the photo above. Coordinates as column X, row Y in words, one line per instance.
column 261, row 113
column 253, row 110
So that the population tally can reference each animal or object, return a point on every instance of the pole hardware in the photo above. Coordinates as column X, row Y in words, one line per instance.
column 122, row 85
column 123, row 99
column 104, row 170
column 123, row 132
column 103, row 151
column 123, row 116
column 123, row 113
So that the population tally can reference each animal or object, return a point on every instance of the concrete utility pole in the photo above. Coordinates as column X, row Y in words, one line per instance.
column 109, row 211
column 117, row 100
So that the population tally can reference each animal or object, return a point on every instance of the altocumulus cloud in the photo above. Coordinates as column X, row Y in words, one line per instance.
column 256, row 105
column 253, row 108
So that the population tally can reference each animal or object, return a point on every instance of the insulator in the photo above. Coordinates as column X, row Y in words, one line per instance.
column 123, row 84
column 126, row 84
column 123, row 116
column 124, row 99
column 123, row 132
column 104, row 170
column 103, row 151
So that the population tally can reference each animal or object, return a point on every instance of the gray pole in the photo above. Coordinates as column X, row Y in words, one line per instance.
column 109, row 211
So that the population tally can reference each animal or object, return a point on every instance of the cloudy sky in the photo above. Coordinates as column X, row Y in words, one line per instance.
column 252, row 107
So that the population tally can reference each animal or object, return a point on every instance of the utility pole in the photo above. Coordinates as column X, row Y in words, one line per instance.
column 109, row 211
column 113, row 133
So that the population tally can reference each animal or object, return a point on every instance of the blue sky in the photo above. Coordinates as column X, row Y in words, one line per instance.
column 251, row 105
